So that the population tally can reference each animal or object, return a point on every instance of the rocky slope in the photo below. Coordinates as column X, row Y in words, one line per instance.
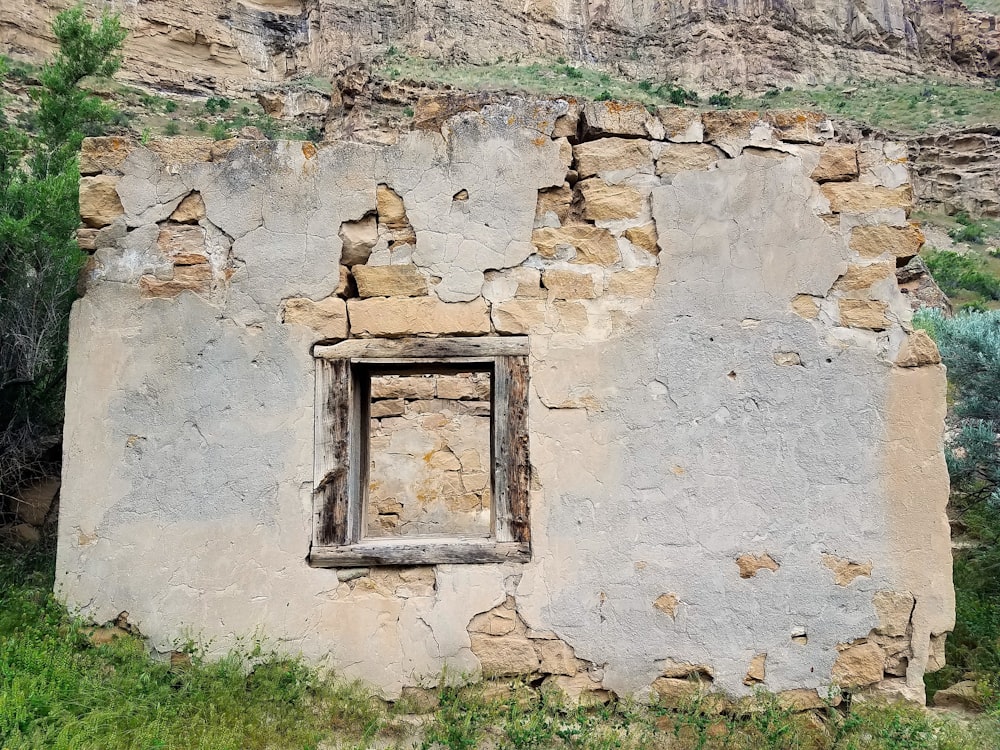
column 227, row 45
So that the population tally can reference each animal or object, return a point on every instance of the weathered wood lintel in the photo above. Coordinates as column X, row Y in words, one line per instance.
column 419, row 552
column 487, row 346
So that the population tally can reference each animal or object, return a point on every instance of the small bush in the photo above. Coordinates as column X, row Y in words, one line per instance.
column 219, row 131
column 171, row 128
column 721, row 99
column 958, row 272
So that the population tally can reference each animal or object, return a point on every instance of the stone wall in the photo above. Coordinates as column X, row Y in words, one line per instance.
column 735, row 434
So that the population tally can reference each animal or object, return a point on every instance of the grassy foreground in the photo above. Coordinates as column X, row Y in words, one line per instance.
column 58, row 690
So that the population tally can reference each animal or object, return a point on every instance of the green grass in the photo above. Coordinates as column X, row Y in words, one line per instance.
column 542, row 79
column 913, row 107
column 59, row 691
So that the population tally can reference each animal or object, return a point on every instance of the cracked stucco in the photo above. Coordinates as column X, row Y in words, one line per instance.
column 670, row 434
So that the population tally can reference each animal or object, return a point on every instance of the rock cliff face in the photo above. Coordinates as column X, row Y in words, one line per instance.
column 711, row 44
column 959, row 170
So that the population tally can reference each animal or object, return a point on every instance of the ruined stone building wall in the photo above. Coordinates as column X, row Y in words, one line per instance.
column 735, row 434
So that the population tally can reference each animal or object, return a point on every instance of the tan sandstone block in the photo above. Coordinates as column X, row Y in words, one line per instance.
column 604, row 202
column 328, row 317
column 612, row 154
column 756, row 672
column 177, row 151
column 918, row 349
column 357, row 238
column 184, row 244
column 390, row 281
column 404, row 316
column 799, row 125
column 103, row 154
column 836, row 163
column 409, row 387
column 579, row 690
column 644, row 237
column 750, row 565
column 859, row 313
column 680, row 124
column 191, row 210
column 554, row 203
column 854, row 197
column 570, row 284
column 99, row 201
column 844, row 570
column 859, row 664
column 894, row 609
column 675, row 692
column 636, row 283
column 805, row 305
column 504, row 655
column 864, row 277
column 900, row 242
column 196, row 278
column 519, row 316
column 617, row 118
column 687, row 157
column 592, row 244
column 556, row 657
column 389, row 205
column 729, row 124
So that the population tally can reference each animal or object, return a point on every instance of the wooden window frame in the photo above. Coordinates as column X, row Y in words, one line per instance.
column 341, row 454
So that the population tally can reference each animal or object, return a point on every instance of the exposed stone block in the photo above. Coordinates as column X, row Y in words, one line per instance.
column 519, row 316
column 805, row 305
column 853, row 197
column 637, row 283
column 406, row 316
column 687, row 157
column 358, row 238
column 104, row 154
column 403, row 386
column 591, row 244
column 194, row 278
column 86, row 238
column 604, row 202
column 618, row 118
column 504, row 655
column 756, row 672
column 99, row 201
column 800, row 125
column 918, row 349
column 570, row 284
column 556, row 657
column 612, row 155
column 191, row 210
column 836, row 163
column 177, row 151
column 844, row 570
column 729, row 126
column 390, row 281
column 900, row 242
column 644, row 237
column 750, row 565
column 183, row 244
column 328, row 317
column 859, row 277
column 858, row 313
column 858, row 664
column 389, row 205
column 579, row 690
column 680, row 124
column 553, row 206
column 390, row 407
column 894, row 609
